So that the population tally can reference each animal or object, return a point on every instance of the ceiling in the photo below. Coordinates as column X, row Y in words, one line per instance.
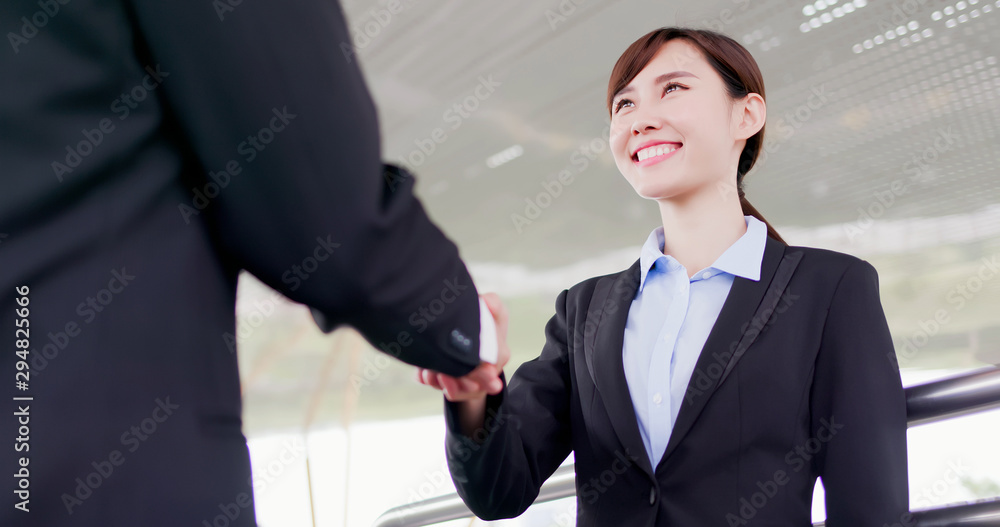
column 548, row 62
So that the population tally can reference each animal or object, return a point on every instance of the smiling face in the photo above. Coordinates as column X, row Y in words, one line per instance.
column 674, row 128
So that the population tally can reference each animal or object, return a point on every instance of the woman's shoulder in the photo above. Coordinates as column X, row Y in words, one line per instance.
column 827, row 262
column 816, row 263
column 588, row 286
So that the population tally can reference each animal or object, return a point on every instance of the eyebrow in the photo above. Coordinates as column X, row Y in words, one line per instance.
column 659, row 80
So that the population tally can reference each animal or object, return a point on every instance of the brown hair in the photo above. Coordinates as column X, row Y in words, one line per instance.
column 739, row 72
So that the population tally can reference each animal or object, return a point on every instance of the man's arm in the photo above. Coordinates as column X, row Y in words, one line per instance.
column 270, row 99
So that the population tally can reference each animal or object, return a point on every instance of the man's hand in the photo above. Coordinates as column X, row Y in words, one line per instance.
column 483, row 380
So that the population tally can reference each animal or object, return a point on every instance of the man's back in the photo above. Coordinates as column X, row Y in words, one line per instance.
column 149, row 152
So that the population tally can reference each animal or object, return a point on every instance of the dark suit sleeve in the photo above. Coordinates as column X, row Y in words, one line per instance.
column 858, row 410
column 269, row 101
column 526, row 436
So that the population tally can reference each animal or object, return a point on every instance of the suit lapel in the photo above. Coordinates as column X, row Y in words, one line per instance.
column 603, row 346
column 733, row 333
column 729, row 338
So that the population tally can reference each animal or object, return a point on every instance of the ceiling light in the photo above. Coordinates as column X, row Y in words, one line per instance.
column 504, row 156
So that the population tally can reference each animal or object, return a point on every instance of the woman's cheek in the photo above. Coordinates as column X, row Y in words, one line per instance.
column 617, row 135
column 618, row 148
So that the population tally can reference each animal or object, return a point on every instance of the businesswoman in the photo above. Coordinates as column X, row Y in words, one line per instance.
column 714, row 380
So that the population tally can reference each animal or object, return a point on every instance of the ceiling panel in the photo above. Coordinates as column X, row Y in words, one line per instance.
column 921, row 108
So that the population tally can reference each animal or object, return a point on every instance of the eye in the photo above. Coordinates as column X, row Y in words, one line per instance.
column 618, row 105
column 666, row 90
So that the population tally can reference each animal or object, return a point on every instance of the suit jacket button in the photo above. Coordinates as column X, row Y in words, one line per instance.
column 652, row 495
column 460, row 341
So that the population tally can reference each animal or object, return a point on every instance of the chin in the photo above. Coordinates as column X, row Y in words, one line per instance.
column 656, row 190
column 655, row 194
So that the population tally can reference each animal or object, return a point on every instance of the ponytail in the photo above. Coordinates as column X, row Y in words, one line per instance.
column 749, row 210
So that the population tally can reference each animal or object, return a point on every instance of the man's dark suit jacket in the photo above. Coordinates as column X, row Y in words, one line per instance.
column 796, row 381
column 151, row 150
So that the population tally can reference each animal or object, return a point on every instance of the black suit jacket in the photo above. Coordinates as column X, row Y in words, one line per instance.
column 796, row 380
column 149, row 151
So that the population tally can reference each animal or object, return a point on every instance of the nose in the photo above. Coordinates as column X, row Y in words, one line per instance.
column 644, row 123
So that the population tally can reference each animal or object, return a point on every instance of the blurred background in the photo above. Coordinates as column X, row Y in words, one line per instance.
column 883, row 120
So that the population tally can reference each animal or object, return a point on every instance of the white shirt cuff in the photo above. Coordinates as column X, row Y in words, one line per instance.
column 488, row 348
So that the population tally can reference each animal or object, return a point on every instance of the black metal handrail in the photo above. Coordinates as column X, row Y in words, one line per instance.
column 953, row 396
column 938, row 400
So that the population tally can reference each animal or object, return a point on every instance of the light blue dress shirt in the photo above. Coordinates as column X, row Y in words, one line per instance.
column 668, row 323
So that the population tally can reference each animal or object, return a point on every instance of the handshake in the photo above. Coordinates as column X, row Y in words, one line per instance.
column 485, row 379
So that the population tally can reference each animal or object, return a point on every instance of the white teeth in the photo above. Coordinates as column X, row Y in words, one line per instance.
column 656, row 150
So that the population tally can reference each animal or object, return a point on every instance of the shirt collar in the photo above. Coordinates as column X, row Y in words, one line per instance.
column 742, row 258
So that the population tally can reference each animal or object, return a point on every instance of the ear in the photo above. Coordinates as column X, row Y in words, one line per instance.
column 749, row 117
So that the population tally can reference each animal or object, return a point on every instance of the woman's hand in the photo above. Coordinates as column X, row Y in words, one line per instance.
column 485, row 379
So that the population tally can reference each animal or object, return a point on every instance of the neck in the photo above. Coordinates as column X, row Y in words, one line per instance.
column 698, row 228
